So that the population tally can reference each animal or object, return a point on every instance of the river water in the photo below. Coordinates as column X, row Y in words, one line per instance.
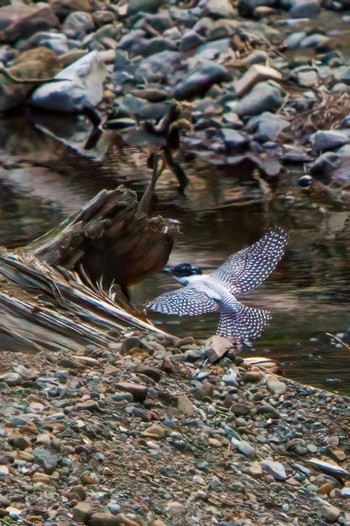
column 42, row 180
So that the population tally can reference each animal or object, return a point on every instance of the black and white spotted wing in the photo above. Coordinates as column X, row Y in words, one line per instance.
column 183, row 302
column 244, row 323
column 249, row 267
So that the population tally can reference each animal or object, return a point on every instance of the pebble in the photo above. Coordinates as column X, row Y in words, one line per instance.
column 46, row 459
column 276, row 469
column 275, row 386
column 185, row 405
column 82, row 511
column 330, row 513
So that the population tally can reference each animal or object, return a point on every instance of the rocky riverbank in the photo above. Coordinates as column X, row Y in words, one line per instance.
column 147, row 432
column 264, row 80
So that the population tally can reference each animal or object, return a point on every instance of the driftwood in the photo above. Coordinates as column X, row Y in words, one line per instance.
column 111, row 240
column 53, row 293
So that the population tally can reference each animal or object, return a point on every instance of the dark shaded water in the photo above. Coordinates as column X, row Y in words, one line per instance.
column 41, row 181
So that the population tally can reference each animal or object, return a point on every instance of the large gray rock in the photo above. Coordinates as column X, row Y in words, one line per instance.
column 154, row 45
column 325, row 164
column 305, row 8
column 78, row 24
column 263, row 97
column 293, row 40
column 316, row 40
column 267, row 126
column 81, row 86
column 217, row 8
column 324, row 140
column 233, row 139
column 190, row 40
column 197, row 82
column 158, row 67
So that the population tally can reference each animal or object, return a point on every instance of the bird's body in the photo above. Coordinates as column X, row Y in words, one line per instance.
column 216, row 292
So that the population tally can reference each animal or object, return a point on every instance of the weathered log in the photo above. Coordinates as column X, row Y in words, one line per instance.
column 55, row 296
column 67, row 313
column 110, row 239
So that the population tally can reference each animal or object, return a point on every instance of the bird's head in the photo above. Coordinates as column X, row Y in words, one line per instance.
column 183, row 271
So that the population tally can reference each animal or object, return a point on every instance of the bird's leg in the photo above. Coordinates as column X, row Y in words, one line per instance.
column 145, row 202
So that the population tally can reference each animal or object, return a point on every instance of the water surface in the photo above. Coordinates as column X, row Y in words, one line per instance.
column 43, row 178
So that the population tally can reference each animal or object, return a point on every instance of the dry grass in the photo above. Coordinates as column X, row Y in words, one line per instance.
column 326, row 115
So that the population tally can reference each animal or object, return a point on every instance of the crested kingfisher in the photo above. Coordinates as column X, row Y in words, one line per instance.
column 216, row 292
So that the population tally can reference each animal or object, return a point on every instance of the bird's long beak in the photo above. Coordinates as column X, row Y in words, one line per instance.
column 167, row 270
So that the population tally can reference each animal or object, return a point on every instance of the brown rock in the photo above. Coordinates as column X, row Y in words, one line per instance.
column 63, row 8
column 204, row 390
column 20, row 442
column 168, row 366
column 156, row 431
column 82, row 511
column 89, row 405
column 104, row 519
column 337, row 454
column 240, row 409
column 330, row 513
column 77, row 493
column 185, row 405
column 138, row 391
column 253, row 376
column 152, row 372
column 216, row 347
column 21, row 21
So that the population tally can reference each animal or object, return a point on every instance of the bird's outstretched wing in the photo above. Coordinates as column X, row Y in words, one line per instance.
column 244, row 323
column 249, row 267
column 183, row 302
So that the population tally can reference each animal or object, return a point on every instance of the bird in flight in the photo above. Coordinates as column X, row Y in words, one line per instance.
column 216, row 292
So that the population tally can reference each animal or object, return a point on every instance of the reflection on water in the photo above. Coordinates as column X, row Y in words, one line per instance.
column 42, row 180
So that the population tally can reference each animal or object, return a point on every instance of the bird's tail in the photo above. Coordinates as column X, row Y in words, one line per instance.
column 244, row 323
